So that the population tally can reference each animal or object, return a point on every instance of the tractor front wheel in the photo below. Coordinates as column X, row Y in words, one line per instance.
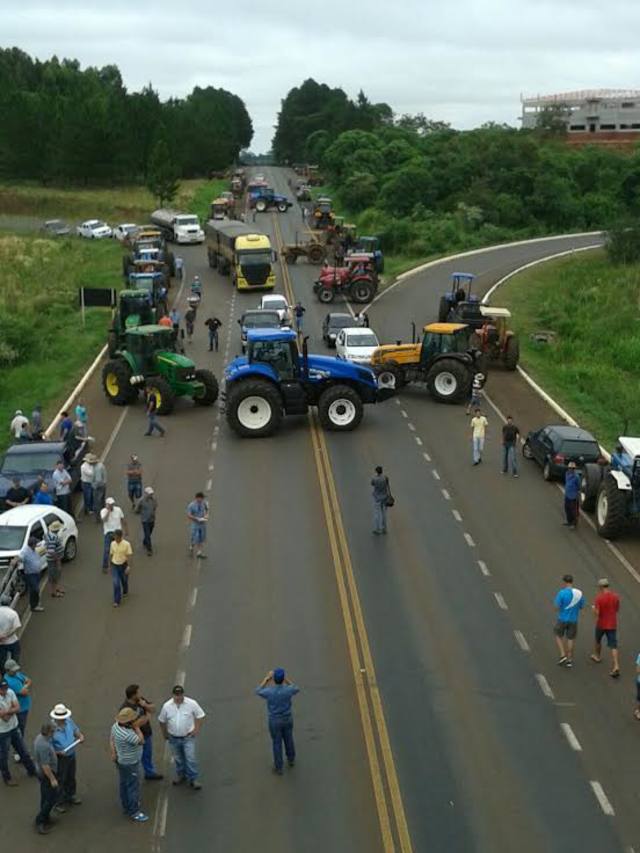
column 340, row 408
column 449, row 381
column 283, row 207
column 325, row 294
column 254, row 408
column 116, row 382
column 210, row 394
column 611, row 509
column 589, row 484
column 391, row 376
column 316, row 254
column 261, row 205
column 512, row 353
column 164, row 395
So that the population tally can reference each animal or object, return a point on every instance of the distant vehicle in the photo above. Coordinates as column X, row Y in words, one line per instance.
column 257, row 319
column 553, row 447
column 34, row 462
column 332, row 324
column 94, row 229
column 265, row 198
column 235, row 249
column 56, row 228
column 356, row 344
column 279, row 303
column 303, row 193
column 178, row 227
column 124, row 232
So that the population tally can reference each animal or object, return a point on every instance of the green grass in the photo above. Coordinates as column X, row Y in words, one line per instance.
column 593, row 309
column 44, row 349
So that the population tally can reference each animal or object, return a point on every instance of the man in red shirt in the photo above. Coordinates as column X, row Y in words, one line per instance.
column 605, row 608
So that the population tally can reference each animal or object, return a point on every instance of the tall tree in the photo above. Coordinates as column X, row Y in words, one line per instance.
column 162, row 173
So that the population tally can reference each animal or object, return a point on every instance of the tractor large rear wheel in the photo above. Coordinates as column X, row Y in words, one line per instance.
column 116, row 382
column 611, row 509
column 315, row 253
column 210, row 383
column 590, row 480
column 254, row 408
column 325, row 294
column 290, row 257
column 512, row 353
column 362, row 291
column 449, row 381
column 165, row 397
column 340, row 408
column 261, row 205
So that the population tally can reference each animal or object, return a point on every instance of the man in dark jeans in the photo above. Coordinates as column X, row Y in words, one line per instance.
column 31, row 567
column 10, row 735
column 278, row 692
column 510, row 436
column 571, row 493
column 147, row 508
column 46, row 762
column 213, row 324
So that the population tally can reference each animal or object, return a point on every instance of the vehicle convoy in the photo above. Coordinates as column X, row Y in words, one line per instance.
column 55, row 228
column 322, row 215
column 277, row 302
column 235, row 249
column 152, row 246
column 147, row 360
column 125, row 232
column 35, row 461
column 357, row 281
column 311, row 250
column 135, row 308
column 357, row 344
column 554, row 446
column 332, row 324
column 613, row 489
column 266, row 199
column 153, row 283
column 94, row 229
column 222, row 208
column 275, row 379
column 444, row 360
column 178, row 227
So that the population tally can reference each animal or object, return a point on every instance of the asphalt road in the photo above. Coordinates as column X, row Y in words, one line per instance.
column 482, row 760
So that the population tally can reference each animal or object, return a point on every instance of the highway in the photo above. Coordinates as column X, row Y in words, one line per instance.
column 432, row 715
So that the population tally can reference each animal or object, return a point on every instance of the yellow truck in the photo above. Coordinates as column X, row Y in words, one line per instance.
column 246, row 255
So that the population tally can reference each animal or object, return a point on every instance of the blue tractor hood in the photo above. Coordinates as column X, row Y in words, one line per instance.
column 321, row 367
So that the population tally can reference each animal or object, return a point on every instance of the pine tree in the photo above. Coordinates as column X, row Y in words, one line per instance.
column 162, row 173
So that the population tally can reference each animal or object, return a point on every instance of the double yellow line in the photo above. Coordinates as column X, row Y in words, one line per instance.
column 386, row 788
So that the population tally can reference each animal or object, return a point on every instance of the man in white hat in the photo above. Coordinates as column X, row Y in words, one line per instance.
column 126, row 751
column 113, row 519
column 147, row 508
column 86, row 481
column 65, row 739
column 19, row 425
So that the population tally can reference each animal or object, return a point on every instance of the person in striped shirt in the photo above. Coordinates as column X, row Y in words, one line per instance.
column 126, row 751
column 55, row 551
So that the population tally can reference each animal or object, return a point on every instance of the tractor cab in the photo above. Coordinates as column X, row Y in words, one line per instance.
column 151, row 282
column 145, row 342
column 135, row 309
column 322, row 214
column 459, row 300
column 444, row 339
column 370, row 246
column 278, row 349
column 219, row 208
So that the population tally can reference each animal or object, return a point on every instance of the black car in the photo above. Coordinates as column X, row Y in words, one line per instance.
column 35, row 461
column 553, row 447
column 332, row 324
column 56, row 228
column 260, row 318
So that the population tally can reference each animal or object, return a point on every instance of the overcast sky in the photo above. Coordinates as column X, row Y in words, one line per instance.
column 463, row 61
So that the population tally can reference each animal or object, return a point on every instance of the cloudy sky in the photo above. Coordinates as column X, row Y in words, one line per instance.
column 463, row 61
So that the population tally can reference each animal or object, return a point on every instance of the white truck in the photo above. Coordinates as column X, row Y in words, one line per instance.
column 178, row 227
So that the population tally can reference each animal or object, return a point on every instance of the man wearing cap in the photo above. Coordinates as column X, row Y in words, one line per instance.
column 9, row 626
column 126, row 750
column 278, row 691
column 10, row 735
column 19, row 425
column 17, row 495
column 113, row 519
column 31, row 568
column 134, row 480
column 86, row 481
column 180, row 721
column 198, row 515
column 147, row 508
column 144, row 710
column 62, row 486
column 46, row 762
column 66, row 737
column 571, row 493
column 120, row 552
column 99, row 484
column 605, row 608
column 569, row 601
column 54, row 550
column 21, row 686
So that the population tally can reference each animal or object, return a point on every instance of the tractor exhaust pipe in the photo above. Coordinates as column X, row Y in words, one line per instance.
column 305, row 357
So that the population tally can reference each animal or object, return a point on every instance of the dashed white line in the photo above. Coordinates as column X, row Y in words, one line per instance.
column 403, row 413
column 435, row 474
column 521, row 641
column 211, row 466
column 602, row 798
column 181, row 677
column 544, row 686
column 427, row 458
column 216, row 429
column 209, row 484
column 214, row 446
column 502, row 604
column 456, row 515
column 574, row 743
column 418, row 441
column 469, row 540
column 186, row 637
column 446, row 495
column 398, row 403
column 483, row 568
column 193, row 598
column 411, row 427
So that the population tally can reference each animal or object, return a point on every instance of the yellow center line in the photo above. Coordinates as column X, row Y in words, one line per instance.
column 386, row 787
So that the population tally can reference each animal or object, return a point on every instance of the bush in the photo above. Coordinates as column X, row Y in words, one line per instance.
column 359, row 191
column 623, row 244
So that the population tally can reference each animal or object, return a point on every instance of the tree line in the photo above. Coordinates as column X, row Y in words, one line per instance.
column 66, row 124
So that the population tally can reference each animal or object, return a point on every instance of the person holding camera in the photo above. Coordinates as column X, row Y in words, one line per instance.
column 126, row 744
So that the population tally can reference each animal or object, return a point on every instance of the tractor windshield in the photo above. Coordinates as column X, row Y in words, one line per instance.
column 277, row 354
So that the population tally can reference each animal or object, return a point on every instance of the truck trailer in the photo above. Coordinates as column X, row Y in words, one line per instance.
column 235, row 249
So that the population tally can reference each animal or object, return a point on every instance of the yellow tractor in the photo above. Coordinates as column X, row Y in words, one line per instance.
column 444, row 360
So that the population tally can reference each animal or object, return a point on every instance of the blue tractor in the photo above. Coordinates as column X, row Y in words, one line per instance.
column 273, row 379
column 613, row 490
column 265, row 198
column 459, row 304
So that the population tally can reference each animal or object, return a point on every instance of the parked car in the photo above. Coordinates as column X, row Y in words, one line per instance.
column 20, row 524
column 332, row 324
column 125, row 231
column 553, row 447
column 34, row 462
column 277, row 302
column 94, row 229
column 356, row 344
column 56, row 228
column 257, row 319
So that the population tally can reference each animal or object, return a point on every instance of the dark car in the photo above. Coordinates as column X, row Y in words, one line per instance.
column 56, row 228
column 34, row 461
column 553, row 447
column 332, row 324
column 258, row 319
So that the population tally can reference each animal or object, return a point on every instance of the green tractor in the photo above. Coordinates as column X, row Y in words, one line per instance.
column 147, row 359
column 134, row 309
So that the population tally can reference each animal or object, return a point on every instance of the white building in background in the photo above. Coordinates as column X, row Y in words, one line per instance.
column 596, row 114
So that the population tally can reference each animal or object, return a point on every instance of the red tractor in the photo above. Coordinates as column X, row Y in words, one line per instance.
column 357, row 281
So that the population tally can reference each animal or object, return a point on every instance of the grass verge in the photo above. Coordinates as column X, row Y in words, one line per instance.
column 592, row 307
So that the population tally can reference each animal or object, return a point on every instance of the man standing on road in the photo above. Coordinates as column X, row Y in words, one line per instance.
column 10, row 735
column 99, row 485
column 82, row 416
column 66, row 737
column 179, row 266
column 46, row 762
column 21, row 686
column 152, row 417
column 144, row 711
column 113, row 519
column 381, row 495
column 569, row 601
column 9, row 626
column 147, row 508
column 479, row 426
column 19, row 425
column 17, row 495
column 126, row 743
column 571, row 493
column 174, row 316
column 198, row 515
column 181, row 720
column 299, row 311
column 278, row 691
column 605, row 607
column 86, row 481
column 62, row 486
column 213, row 324
column 31, row 568
column 54, row 550
column 66, row 426
column 120, row 552
column 510, row 436
column 134, row 480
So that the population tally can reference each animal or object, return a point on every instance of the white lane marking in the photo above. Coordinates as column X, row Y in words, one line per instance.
column 186, row 637
column 160, row 819
column 398, row 403
column 211, row 466
column 617, row 553
column 181, row 677
column 602, row 798
column 470, row 541
column 418, row 441
column 427, row 458
column 214, row 446
column 574, row 743
column 521, row 641
column 456, row 515
column 404, row 414
column 483, row 568
column 209, row 484
column 193, row 598
column 411, row 427
column 446, row 495
column 495, row 408
column 502, row 604
column 435, row 474
column 544, row 686
column 216, row 429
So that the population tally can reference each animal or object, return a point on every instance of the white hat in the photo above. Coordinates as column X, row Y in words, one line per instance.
column 110, row 501
column 18, row 411
column 148, row 490
column 60, row 712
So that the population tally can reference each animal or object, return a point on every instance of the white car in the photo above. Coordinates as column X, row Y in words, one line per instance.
column 94, row 229
column 276, row 302
column 356, row 344
column 125, row 231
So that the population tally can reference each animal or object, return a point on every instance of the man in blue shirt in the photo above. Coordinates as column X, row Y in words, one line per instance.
column 198, row 515
column 571, row 494
column 278, row 692
column 569, row 601
column 31, row 568
column 43, row 495
column 65, row 734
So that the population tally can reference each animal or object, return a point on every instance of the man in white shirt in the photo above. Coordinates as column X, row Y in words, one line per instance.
column 479, row 426
column 9, row 625
column 19, row 425
column 62, row 485
column 86, row 481
column 113, row 519
column 99, row 486
column 10, row 735
column 180, row 721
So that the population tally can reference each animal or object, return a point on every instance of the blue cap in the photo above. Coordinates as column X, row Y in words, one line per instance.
column 278, row 675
